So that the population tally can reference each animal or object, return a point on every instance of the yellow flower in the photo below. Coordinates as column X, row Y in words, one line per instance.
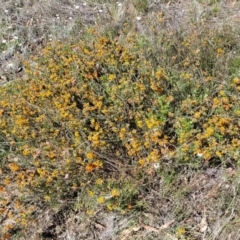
column 159, row 74
column 92, row 166
column 109, row 207
column 222, row 93
column 141, row 87
column 181, row 231
column 90, row 212
column 220, row 51
column 41, row 172
column 95, row 137
column 115, row 192
column 141, row 162
column 111, row 77
column 197, row 115
column 4, row 103
column 219, row 154
column 98, row 163
column 90, row 193
column 140, row 123
column 207, row 155
column 209, row 131
column 21, row 121
column 92, row 120
column 90, row 155
column 152, row 122
column 13, row 167
column 55, row 173
column 76, row 134
column 47, row 198
column 122, row 133
column 136, row 145
column 99, row 181
column 236, row 80
column 101, row 200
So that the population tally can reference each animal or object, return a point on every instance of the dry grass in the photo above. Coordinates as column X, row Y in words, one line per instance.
column 191, row 194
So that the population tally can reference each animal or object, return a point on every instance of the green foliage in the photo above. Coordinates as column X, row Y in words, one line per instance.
column 141, row 5
column 234, row 68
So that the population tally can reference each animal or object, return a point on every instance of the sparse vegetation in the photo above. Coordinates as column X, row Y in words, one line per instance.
column 135, row 119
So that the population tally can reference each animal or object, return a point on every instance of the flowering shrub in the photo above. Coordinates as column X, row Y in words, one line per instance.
column 86, row 115
column 92, row 117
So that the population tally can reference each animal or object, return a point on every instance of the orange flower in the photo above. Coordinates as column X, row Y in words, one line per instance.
column 90, row 167
column 13, row 167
